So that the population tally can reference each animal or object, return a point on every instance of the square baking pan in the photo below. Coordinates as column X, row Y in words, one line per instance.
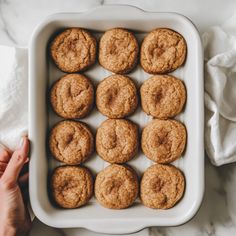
column 42, row 73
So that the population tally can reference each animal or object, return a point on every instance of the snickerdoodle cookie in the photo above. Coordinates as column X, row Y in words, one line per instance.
column 163, row 141
column 163, row 96
column 117, row 140
column 116, row 186
column 71, row 142
column 162, row 51
column 162, row 186
column 118, row 50
column 72, row 96
column 72, row 186
column 116, row 96
column 74, row 50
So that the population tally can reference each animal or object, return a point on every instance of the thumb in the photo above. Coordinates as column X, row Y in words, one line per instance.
column 17, row 161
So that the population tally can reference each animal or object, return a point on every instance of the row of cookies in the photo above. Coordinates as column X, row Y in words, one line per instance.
column 117, row 141
column 162, row 96
column 117, row 186
column 75, row 49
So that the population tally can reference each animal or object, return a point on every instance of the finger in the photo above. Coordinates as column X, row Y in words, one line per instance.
column 24, row 149
column 3, row 166
column 15, row 164
column 4, row 155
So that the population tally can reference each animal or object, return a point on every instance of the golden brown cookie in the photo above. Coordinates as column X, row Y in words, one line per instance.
column 116, row 187
column 163, row 96
column 74, row 50
column 72, row 96
column 163, row 141
column 162, row 186
column 118, row 51
column 116, row 96
column 162, row 51
column 117, row 140
column 72, row 186
column 71, row 142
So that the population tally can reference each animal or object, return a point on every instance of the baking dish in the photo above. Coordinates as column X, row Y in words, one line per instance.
column 42, row 73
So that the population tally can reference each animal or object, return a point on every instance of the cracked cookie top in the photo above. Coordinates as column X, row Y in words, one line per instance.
column 162, row 186
column 72, row 96
column 116, row 186
column 74, row 50
column 72, row 186
column 118, row 50
column 116, row 96
column 163, row 96
column 117, row 140
column 71, row 142
column 162, row 51
column 163, row 141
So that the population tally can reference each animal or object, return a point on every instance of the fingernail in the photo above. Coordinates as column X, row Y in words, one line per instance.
column 21, row 141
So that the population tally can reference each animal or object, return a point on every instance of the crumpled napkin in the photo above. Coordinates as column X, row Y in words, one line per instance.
column 220, row 92
column 13, row 95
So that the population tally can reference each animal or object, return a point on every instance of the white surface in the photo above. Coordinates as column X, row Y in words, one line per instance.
column 220, row 92
column 217, row 215
column 137, row 217
column 13, row 95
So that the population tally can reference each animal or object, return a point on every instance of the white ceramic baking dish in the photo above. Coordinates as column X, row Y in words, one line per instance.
column 42, row 73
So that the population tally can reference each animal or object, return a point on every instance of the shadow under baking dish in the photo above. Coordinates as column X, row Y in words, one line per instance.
column 43, row 73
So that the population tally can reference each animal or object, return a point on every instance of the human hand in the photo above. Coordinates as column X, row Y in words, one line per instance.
column 14, row 216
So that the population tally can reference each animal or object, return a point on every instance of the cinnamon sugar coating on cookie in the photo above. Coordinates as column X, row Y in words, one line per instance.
column 162, row 51
column 74, row 50
column 71, row 142
column 163, row 96
column 72, row 186
column 116, row 96
column 118, row 50
column 163, row 141
column 117, row 140
column 116, row 187
column 162, row 186
column 72, row 96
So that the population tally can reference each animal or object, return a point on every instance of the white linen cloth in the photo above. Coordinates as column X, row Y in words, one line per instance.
column 220, row 92
column 13, row 95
